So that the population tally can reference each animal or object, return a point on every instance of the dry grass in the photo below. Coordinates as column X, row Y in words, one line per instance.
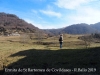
column 12, row 45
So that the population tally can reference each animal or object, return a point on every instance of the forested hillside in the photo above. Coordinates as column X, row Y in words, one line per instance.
column 10, row 23
column 77, row 29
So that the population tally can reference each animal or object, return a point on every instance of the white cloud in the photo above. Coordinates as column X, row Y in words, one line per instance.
column 51, row 13
column 85, row 11
column 82, row 11
column 71, row 4
column 86, row 15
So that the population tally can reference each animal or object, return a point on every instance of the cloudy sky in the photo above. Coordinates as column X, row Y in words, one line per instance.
column 53, row 13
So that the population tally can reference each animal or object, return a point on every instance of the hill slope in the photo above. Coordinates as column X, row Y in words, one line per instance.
column 79, row 29
column 11, row 23
column 96, row 26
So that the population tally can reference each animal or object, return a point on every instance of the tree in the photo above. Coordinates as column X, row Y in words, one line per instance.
column 87, row 40
column 24, row 38
column 39, row 36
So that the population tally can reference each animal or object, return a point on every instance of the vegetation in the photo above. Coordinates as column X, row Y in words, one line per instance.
column 10, row 23
column 36, row 55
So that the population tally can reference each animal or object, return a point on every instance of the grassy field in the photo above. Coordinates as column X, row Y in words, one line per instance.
column 14, row 55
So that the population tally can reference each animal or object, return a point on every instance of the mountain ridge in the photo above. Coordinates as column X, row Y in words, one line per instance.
column 81, row 28
column 10, row 23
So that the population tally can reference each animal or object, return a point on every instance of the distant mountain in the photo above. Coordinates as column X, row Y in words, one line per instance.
column 53, row 31
column 96, row 26
column 10, row 23
column 77, row 29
